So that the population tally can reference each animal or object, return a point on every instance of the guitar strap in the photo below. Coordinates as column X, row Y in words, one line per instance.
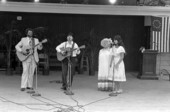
column 33, row 44
column 65, row 44
column 72, row 50
column 33, row 47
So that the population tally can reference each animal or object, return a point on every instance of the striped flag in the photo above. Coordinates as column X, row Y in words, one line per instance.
column 160, row 34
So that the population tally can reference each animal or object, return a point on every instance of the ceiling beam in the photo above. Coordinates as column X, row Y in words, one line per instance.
column 84, row 9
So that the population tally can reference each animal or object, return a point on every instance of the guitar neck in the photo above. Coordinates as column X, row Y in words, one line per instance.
column 43, row 41
column 37, row 44
column 77, row 48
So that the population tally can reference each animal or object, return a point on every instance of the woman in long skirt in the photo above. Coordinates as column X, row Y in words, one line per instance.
column 105, row 73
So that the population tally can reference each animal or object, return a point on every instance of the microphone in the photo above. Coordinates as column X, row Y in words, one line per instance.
column 113, row 44
column 142, row 49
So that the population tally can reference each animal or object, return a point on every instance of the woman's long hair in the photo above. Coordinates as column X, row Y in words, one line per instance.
column 120, row 41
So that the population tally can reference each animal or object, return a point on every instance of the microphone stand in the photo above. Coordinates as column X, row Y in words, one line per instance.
column 34, row 93
column 31, row 91
column 36, row 87
column 68, row 89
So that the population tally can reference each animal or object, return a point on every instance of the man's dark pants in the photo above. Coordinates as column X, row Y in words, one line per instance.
column 65, row 63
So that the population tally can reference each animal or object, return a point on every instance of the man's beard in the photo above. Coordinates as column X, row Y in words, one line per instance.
column 29, row 36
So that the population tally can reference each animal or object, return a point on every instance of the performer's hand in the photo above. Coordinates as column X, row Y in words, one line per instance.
column 62, row 52
column 41, row 46
column 24, row 52
column 31, row 52
column 78, row 51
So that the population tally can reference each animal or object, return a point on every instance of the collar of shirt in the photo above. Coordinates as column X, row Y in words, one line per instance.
column 69, row 43
column 28, row 38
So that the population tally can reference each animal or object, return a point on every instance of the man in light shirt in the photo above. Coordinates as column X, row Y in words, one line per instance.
column 30, row 63
column 71, row 47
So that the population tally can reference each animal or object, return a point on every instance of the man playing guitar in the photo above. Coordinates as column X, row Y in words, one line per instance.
column 66, row 49
column 29, row 64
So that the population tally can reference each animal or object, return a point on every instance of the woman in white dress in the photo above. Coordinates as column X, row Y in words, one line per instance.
column 118, row 53
column 104, row 84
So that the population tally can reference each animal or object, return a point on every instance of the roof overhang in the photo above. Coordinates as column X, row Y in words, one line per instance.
column 84, row 9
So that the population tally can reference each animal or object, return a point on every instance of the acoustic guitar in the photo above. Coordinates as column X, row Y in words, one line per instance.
column 67, row 52
column 28, row 51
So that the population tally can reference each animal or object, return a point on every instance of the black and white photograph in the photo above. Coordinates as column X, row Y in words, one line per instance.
column 84, row 56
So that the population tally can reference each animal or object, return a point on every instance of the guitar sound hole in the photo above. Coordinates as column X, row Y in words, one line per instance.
column 25, row 54
column 64, row 54
column 27, row 50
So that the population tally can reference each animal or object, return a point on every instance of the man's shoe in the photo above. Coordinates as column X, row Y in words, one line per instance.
column 29, row 88
column 119, row 91
column 113, row 93
column 63, row 88
column 22, row 89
